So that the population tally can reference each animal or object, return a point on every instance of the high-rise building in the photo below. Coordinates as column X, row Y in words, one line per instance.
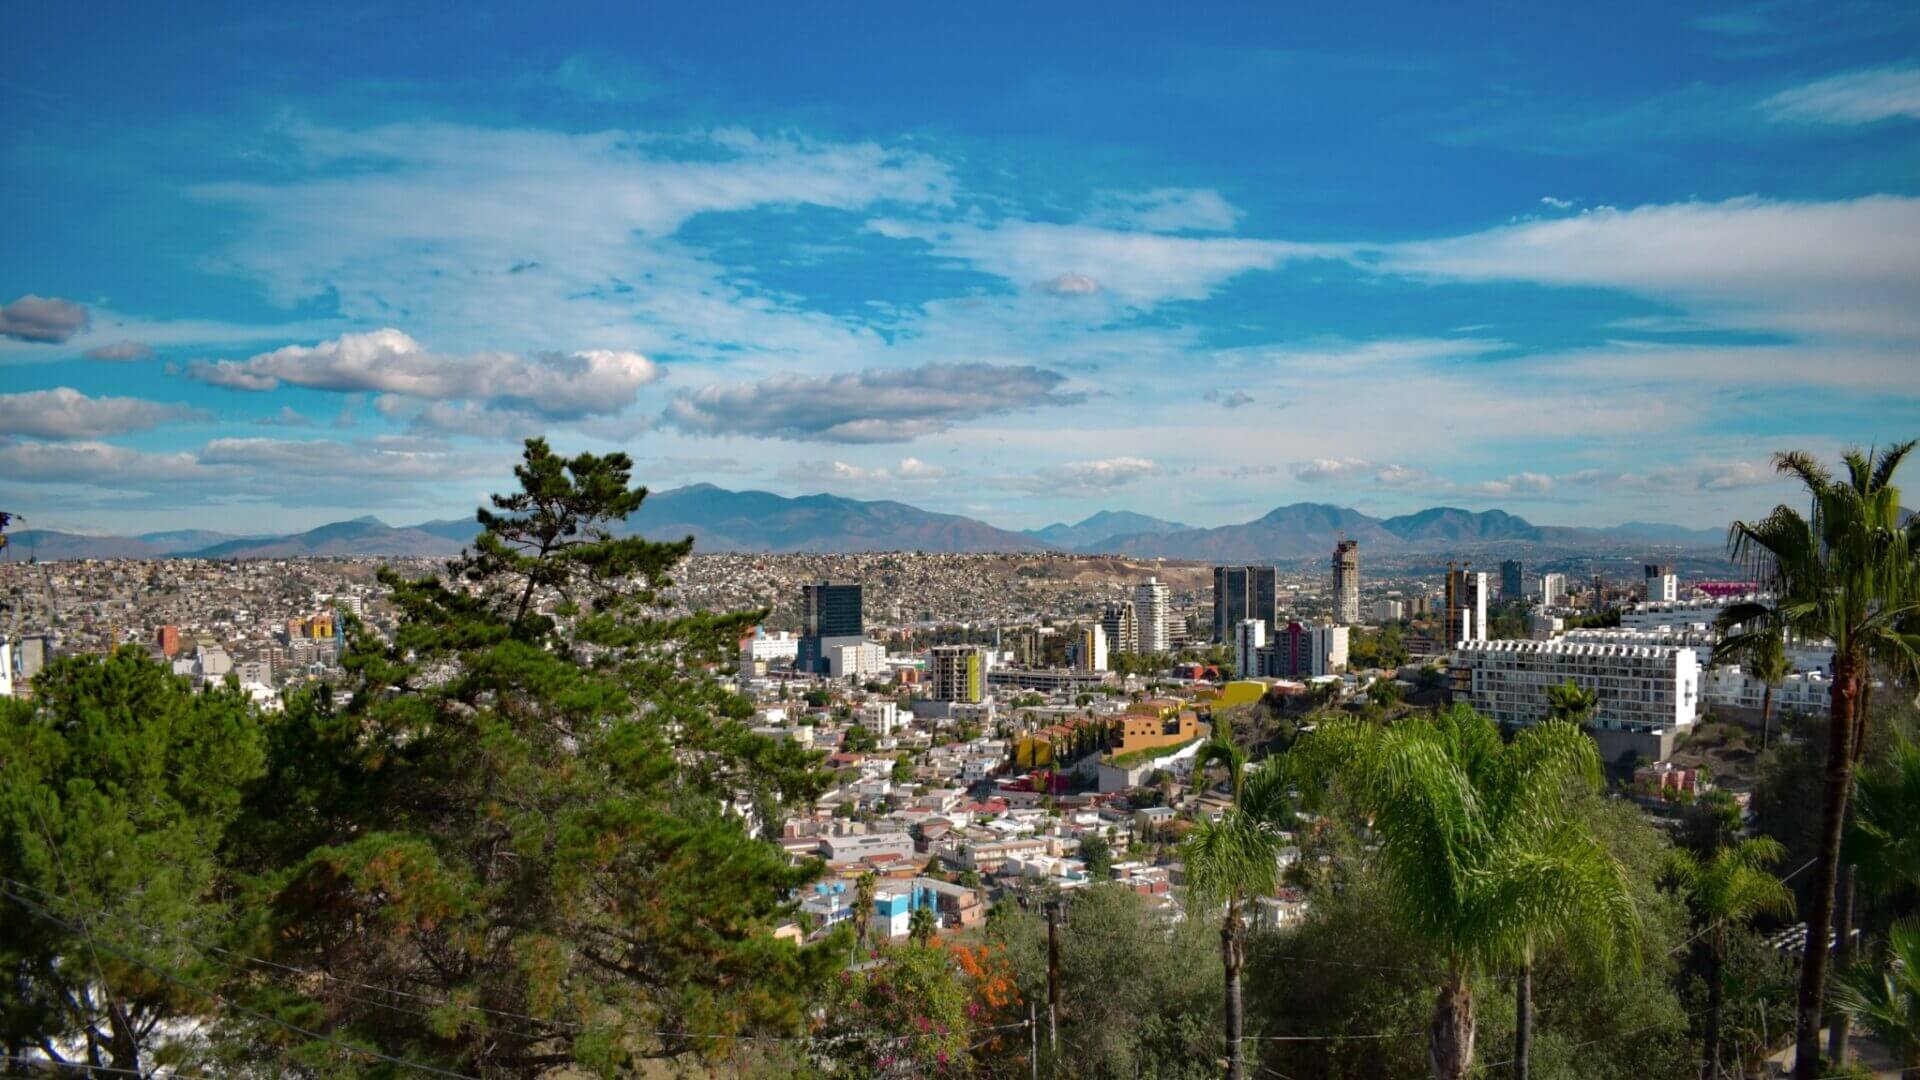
column 1513, row 580
column 957, row 673
column 1465, row 606
column 1244, row 592
column 1090, row 648
column 1304, row 652
column 1249, row 637
column 1386, row 611
column 1346, row 581
column 1153, row 608
column 1663, row 585
column 828, row 610
column 1553, row 589
column 1122, row 625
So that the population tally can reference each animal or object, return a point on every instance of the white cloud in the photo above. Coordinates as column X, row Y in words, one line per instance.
column 1086, row 477
column 877, row 405
column 586, row 383
column 375, row 460
column 1557, row 204
column 839, row 474
column 66, row 413
column 45, row 320
column 1319, row 470
column 1071, row 284
column 1166, row 210
column 1140, row 268
column 121, row 350
column 1523, row 483
column 95, row 463
column 485, row 235
column 1856, row 97
column 1847, row 268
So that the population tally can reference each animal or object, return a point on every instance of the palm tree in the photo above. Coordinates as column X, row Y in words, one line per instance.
column 1731, row 887
column 1883, row 838
column 1479, row 853
column 863, row 889
column 1571, row 702
column 1762, row 654
column 1888, row 1001
column 921, row 924
column 1845, row 573
column 1234, row 861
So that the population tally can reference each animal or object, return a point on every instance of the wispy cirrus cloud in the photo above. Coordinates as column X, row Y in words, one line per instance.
column 1854, row 97
column 1086, row 477
column 1847, row 267
column 872, row 406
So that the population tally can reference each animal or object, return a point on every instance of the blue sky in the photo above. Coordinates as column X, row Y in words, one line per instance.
column 271, row 266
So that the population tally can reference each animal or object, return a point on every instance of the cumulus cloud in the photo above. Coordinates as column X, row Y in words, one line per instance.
column 1167, row 210
column 873, row 406
column 1319, row 470
column 1071, row 284
column 1087, row 477
column 1404, row 476
column 1557, row 204
column 46, row 320
column 1856, row 97
column 553, row 385
column 288, row 416
column 1233, row 400
column 121, row 350
column 1522, row 483
column 66, row 413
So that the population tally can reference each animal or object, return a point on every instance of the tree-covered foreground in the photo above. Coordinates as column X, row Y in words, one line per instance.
column 528, row 837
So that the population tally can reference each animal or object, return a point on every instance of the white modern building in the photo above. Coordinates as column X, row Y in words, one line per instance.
column 880, row 716
column 1679, row 614
column 855, row 659
column 1152, row 606
column 1803, row 692
column 1090, row 648
column 1639, row 688
column 769, row 648
column 1386, row 611
column 1553, row 589
column 1663, row 585
column 1249, row 637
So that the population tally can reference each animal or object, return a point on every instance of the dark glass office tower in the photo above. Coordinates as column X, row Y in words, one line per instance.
column 1244, row 592
column 828, row 609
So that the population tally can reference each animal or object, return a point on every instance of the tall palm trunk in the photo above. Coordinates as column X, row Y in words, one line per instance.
column 1716, row 996
column 1450, row 1034
column 1813, row 967
column 1523, row 1019
column 1766, row 716
column 1232, row 953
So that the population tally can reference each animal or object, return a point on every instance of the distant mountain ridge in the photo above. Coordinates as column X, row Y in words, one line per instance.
column 1101, row 527
column 721, row 520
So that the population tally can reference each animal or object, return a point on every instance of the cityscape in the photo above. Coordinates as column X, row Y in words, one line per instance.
column 765, row 542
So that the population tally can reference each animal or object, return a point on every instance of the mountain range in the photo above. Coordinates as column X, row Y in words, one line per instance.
column 759, row 521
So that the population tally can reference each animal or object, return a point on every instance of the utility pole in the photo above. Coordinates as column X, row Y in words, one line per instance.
column 1053, row 980
column 1033, row 1041
column 1844, row 956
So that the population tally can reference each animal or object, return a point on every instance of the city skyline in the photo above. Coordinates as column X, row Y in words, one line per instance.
column 291, row 267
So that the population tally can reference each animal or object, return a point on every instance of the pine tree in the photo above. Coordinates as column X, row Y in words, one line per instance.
column 522, row 809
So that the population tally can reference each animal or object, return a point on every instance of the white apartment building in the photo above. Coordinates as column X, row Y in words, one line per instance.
column 855, row 660
column 1386, row 611
column 767, row 647
column 880, row 716
column 1679, row 614
column 1152, row 606
column 1553, row 589
column 1090, row 648
column 1249, row 637
column 1730, row 687
column 1639, row 687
